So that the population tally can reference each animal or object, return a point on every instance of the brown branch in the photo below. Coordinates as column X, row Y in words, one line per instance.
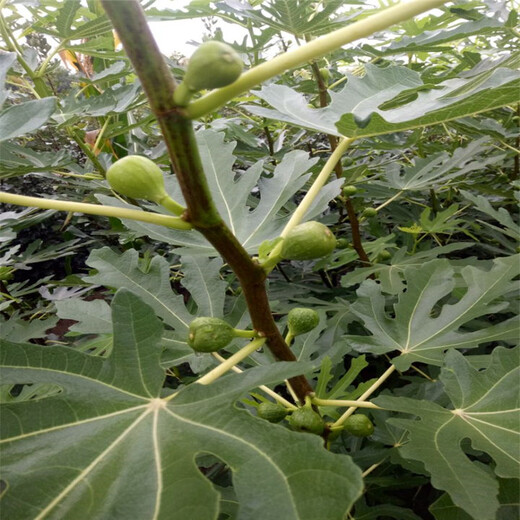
column 130, row 23
column 269, row 138
column 356, row 235
column 333, row 141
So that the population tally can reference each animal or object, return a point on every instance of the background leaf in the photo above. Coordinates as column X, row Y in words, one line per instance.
column 21, row 119
column 418, row 335
column 485, row 410
column 356, row 110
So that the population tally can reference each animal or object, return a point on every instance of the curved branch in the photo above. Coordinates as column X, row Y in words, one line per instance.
column 310, row 51
column 130, row 23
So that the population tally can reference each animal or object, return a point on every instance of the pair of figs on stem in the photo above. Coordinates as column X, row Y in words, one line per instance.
column 138, row 177
column 303, row 419
column 208, row 334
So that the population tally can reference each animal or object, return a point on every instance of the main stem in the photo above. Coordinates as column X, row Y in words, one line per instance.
column 130, row 23
column 333, row 141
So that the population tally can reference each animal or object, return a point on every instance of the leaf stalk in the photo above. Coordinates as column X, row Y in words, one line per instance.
column 95, row 209
column 310, row 51
column 229, row 363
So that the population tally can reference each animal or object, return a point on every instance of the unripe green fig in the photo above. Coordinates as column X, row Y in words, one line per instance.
column 369, row 212
column 384, row 255
column 359, row 425
column 213, row 65
column 272, row 412
column 307, row 420
column 301, row 320
column 348, row 191
column 342, row 243
column 137, row 177
column 307, row 241
column 209, row 334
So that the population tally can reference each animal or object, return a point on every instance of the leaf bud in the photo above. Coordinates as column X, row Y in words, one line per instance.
column 325, row 74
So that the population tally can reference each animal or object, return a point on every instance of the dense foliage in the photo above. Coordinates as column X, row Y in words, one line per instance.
column 372, row 189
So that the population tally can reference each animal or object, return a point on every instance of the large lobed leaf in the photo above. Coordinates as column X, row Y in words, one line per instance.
column 440, row 169
column 26, row 117
column 486, row 408
column 362, row 108
column 110, row 445
column 420, row 332
column 253, row 220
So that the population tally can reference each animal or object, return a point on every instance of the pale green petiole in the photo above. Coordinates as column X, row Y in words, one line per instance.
column 344, row 402
column 307, row 201
column 231, row 361
column 310, row 51
column 95, row 209
column 171, row 205
column 367, row 394
column 264, row 388
column 240, row 333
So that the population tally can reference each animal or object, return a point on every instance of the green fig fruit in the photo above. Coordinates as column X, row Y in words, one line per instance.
column 359, row 425
column 272, row 412
column 307, row 420
column 137, row 177
column 213, row 65
column 342, row 243
column 369, row 212
column 209, row 334
column 308, row 241
column 384, row 255
column 348, row 191
column 301, row 320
